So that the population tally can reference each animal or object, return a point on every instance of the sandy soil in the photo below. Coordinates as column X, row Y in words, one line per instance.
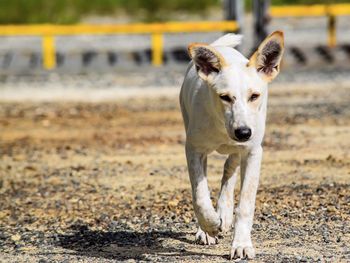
column 106, row 182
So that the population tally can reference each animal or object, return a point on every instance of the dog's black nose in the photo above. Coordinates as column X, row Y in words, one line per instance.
column 243, row 133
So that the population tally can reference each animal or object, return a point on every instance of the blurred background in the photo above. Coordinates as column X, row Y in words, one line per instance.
column 68, row 12
column 92, row 163
column 316, row 33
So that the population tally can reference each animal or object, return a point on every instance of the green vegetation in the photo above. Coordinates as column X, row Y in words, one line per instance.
column 71, row 11
column 306, row 2
column 297, row 2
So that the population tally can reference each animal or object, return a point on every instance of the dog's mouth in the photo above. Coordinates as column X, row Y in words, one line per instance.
column 235, row 140
column 239, row 140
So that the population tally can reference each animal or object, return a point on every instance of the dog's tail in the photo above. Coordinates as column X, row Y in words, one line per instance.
column 228, row 40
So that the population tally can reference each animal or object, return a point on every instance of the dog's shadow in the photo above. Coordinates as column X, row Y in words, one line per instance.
column 122, row 245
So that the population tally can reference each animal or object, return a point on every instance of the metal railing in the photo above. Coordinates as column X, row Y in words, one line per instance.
column 330, row 10
column 48, row 33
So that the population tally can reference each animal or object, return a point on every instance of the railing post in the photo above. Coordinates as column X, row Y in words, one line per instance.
column 157, row 49
column 234, row 10
column 332, row 34
column 49, row 52
column 261, row 20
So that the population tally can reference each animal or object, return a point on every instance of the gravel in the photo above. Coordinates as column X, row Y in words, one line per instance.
column 107, row 181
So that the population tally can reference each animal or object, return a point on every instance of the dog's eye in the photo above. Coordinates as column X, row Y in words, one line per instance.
column 226, row 98
column 254, row 97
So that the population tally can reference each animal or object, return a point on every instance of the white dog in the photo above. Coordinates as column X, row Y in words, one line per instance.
column 223, row 102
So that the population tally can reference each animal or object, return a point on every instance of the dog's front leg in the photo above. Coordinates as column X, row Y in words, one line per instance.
column 242, row 246
column 226, row 196
column 208, row 219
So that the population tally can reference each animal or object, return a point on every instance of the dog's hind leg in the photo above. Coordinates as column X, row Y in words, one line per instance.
column 208, row 219
column 226, row 197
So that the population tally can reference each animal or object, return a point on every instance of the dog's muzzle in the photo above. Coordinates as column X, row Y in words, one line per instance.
column 243, row 134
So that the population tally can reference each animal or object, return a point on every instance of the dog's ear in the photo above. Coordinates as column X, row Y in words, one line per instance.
column 267, row 58
column 206, row 59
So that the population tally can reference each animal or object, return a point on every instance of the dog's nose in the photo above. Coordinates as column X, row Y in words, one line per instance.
column 243, row 133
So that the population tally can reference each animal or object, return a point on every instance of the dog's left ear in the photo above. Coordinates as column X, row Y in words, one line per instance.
column 207, row 60
column 267, row 58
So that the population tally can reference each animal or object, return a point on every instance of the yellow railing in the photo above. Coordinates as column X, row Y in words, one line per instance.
column 331, row 11
column 48, row 33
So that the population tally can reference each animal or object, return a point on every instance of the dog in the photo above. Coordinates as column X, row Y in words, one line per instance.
column 223, row 101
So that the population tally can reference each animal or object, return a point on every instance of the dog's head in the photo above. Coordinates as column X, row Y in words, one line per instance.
column 238, row 86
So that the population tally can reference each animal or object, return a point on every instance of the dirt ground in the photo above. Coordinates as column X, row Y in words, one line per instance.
column 107, row 182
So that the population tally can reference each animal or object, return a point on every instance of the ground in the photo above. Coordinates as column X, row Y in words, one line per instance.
column 106, row 182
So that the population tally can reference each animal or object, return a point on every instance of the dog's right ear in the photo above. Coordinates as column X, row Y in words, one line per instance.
column 207, row 60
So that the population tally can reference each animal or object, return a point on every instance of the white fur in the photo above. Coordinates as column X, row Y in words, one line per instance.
column 228, row 40
column 210, row 125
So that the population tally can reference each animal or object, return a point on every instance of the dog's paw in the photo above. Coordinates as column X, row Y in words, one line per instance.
column 212, row 225
column 242, row 252
column 226, row 217
column 204, row 238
